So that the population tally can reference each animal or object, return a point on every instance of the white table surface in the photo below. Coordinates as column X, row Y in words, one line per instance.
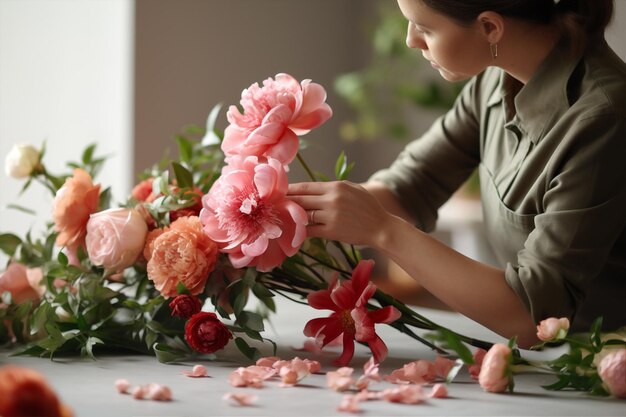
column 87, row 386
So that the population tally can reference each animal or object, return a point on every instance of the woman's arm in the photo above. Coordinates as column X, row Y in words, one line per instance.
column 349, row 213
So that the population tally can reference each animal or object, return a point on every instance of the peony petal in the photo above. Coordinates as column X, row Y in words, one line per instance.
column 271, row 258
column 239, row 260
column 265, row 180
column 241, row 398
column 280, row 114
column 256, row 248
column 266, row 134
column 286, row 147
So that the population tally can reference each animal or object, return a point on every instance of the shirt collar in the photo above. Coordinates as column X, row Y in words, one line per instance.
column 543, row 100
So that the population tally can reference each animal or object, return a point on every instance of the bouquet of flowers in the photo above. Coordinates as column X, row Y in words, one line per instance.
column 172, row 270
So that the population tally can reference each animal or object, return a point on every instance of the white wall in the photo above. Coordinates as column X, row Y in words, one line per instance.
column 66, row 78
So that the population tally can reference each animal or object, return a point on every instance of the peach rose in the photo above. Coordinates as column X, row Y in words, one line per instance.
column 22, row 283
column 552, row 329
column 612, row 370
column 25, row 392
column 495, row 374
column 72, row 206
column 115, row 238
column 180, row 253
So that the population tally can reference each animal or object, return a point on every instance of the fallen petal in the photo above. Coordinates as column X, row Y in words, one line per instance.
column 198, row 371
column 240, row 398
column 122, row 386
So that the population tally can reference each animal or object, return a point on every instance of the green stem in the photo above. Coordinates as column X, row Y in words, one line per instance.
column 306, row 167
column 327, row 265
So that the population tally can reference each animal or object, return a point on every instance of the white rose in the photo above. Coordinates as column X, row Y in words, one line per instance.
column 21, row 161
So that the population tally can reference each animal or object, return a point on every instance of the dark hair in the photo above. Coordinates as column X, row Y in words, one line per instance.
column 582, row 19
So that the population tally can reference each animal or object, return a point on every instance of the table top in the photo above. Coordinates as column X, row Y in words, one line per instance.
column 87, row 386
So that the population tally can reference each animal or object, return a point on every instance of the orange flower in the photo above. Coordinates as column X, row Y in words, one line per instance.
column 25, row 392
column 181, row 253
column 73, row 204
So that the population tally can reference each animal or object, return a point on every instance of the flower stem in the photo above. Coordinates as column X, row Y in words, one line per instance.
column 306, row 167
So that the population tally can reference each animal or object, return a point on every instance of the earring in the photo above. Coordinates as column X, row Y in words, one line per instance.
column 493, row 48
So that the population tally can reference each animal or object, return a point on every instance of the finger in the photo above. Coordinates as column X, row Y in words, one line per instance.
column 306, row 188
column 307, row 202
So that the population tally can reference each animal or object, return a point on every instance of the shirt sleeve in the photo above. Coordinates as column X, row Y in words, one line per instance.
column 432, row 167
column 583, row 215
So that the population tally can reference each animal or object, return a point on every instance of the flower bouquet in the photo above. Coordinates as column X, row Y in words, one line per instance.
column 171, row 270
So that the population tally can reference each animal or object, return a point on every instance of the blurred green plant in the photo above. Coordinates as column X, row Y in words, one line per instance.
column 381, row 93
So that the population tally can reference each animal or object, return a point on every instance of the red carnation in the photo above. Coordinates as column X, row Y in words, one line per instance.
column 205, row 333
column 185, row 306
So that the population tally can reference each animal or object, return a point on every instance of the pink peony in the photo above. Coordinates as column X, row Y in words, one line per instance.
column 273, row 117
column 612, row 370
column 115, row 238
column 495, row 374
column 248, row 214
column 72, row 206
column 552, row 329
column 350, row 316
column 22, row 283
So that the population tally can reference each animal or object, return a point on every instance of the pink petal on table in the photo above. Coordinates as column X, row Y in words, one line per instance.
column 122, row 386
column 138, row 392
column 349, row 404
column 158, row 392
column 241, row 398
column 406, row 394
column 198, row 371
column 267, row 361
column 438, row 391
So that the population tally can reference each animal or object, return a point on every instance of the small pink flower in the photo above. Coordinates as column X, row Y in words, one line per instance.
column 474, row 369
column 241, row 398
column 115, row 238
column 552, row 329
column 495, row 374
column 198, row 371
column 248, row 214
column 273, row 117
column 612, row 370
column 350, row 316
column 438, row 391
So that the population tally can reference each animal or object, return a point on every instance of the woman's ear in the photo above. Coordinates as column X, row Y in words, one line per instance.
column 491, row 25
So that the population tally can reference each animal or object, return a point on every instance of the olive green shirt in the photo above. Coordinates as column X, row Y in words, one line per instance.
column 551, row 157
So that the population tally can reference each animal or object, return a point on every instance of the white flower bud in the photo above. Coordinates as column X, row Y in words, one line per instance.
column 21, row 160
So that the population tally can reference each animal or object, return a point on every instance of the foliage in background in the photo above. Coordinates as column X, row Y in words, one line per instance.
column 381, row 93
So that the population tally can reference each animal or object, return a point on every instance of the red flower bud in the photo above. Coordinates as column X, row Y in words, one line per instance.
column 185, row 306
column 205, row 333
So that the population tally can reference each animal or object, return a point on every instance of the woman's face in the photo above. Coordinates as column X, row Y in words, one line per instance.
column 457, row 52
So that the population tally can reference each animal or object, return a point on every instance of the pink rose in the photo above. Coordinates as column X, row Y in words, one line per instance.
column 273, row 117
column 24, row 284
column 552, row 329
column 495, row 374
column 247, row 213
column 115, row 238
column 612, row 370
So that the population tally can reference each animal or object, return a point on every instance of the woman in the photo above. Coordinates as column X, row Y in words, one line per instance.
column 543, row 118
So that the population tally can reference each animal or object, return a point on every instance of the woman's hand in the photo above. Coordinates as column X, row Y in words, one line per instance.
column 342, row 211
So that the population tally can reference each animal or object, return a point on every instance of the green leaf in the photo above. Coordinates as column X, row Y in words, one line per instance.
column 62, row 258
column 183, row 176
column 251, row 353
column 87, row 157
column 342, row 168
column 250, row 320
column 210, row 137
column 9, row 243
column 453, row 342
column 22, row 209
column 261, row 291
column 185, row 148
column 563, row 382
column 168, row 354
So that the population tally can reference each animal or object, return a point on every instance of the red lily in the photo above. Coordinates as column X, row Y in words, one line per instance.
column 350, row 316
